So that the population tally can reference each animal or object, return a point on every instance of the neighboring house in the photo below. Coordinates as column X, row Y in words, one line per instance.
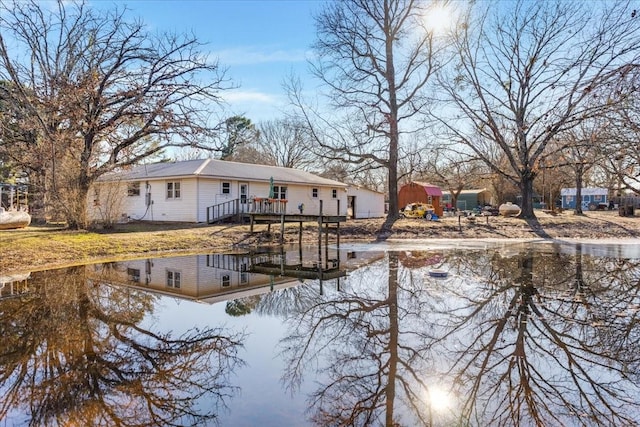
column 364, row 203
column 421, row 192
column 468, row 199
column 191, row 191
column 591, row 198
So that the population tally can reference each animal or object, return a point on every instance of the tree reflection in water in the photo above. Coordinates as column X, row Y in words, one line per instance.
column 73, row 352
column 520, row 337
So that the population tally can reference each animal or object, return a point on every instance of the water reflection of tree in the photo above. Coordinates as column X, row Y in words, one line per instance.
column 363, row 344
column 519, row 336
column 543, row 340
column 73, row 352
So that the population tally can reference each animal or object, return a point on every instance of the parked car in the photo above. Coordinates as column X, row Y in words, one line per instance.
column 490, row 211
column 418, row 210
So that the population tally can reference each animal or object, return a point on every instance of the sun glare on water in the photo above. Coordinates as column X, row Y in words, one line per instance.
column 440, row 399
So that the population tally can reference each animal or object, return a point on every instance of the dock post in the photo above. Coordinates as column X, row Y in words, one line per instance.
column 326, row 245
column 320, row 238
column 338, row 228
column 282, row 229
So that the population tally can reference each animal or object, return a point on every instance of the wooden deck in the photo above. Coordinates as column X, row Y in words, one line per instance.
column 275, row 218
column 282, row 218
column 298, row 271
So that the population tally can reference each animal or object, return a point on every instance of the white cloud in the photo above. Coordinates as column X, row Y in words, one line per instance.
column 256, row 55
column 256, row 105
column 233, row 96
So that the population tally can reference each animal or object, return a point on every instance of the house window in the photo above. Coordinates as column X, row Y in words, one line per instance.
column 334, row 193
column 226, row 188
column 597, row 198
column 173, row 279
column 133, row 189
column 133, row 274
column 226, row 280
column 244, row 278
column 173, row 190
column 279, row 192
column 314, row 193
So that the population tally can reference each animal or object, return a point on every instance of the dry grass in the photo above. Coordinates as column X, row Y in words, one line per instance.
column 36, row 248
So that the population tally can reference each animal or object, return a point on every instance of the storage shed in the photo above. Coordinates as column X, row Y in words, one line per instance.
column 468, row 199
column 417, row 191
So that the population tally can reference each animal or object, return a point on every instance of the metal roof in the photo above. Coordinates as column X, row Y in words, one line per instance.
column 220, row 169
column 586, row 191
column 430, row 189
column 474, row 191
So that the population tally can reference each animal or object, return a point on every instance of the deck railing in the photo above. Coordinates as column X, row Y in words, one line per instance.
column 267, row 205
column 231, row 208
column 223, row 211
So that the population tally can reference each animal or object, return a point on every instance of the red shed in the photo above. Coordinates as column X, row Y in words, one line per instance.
column 421, row 192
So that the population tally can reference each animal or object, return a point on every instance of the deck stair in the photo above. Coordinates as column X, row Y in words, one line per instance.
column 229, row 210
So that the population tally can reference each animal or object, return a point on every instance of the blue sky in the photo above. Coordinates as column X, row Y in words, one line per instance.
column 259, row 42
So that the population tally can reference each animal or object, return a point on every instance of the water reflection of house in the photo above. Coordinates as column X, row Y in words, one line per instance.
column 214, row 277
column 14, row 285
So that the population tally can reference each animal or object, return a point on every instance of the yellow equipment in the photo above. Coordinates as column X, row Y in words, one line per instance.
column 418, row 210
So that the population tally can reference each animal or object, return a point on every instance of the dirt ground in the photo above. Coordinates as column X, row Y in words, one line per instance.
column 37, row 248
column 592, row 225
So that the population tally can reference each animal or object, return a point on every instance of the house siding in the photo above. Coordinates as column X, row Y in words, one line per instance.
column 201, row 187
column 197, row 194
column 182, row 209
column 589, row 195
column 365, row 203
column 468, row 199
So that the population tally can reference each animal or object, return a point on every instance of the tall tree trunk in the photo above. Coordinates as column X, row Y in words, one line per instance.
column 390, row 390
column 394, row 209
column 578, row 210
column 526, row 189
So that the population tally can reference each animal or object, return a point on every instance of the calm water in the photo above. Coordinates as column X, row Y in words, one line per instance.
column 515, row 334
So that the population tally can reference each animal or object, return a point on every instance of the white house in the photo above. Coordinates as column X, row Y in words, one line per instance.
column 188, row 191
column 364, row 203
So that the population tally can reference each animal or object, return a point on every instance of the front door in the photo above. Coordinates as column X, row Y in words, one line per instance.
column 243, row 191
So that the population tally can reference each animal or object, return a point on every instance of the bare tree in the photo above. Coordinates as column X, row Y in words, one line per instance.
column 580, row 151
column 621, row 150
column 552, row 178
column 83, row 354
column 286, row 142
column 101, row 93
column 453, row 172
column 528, row 71
column 375, row 58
